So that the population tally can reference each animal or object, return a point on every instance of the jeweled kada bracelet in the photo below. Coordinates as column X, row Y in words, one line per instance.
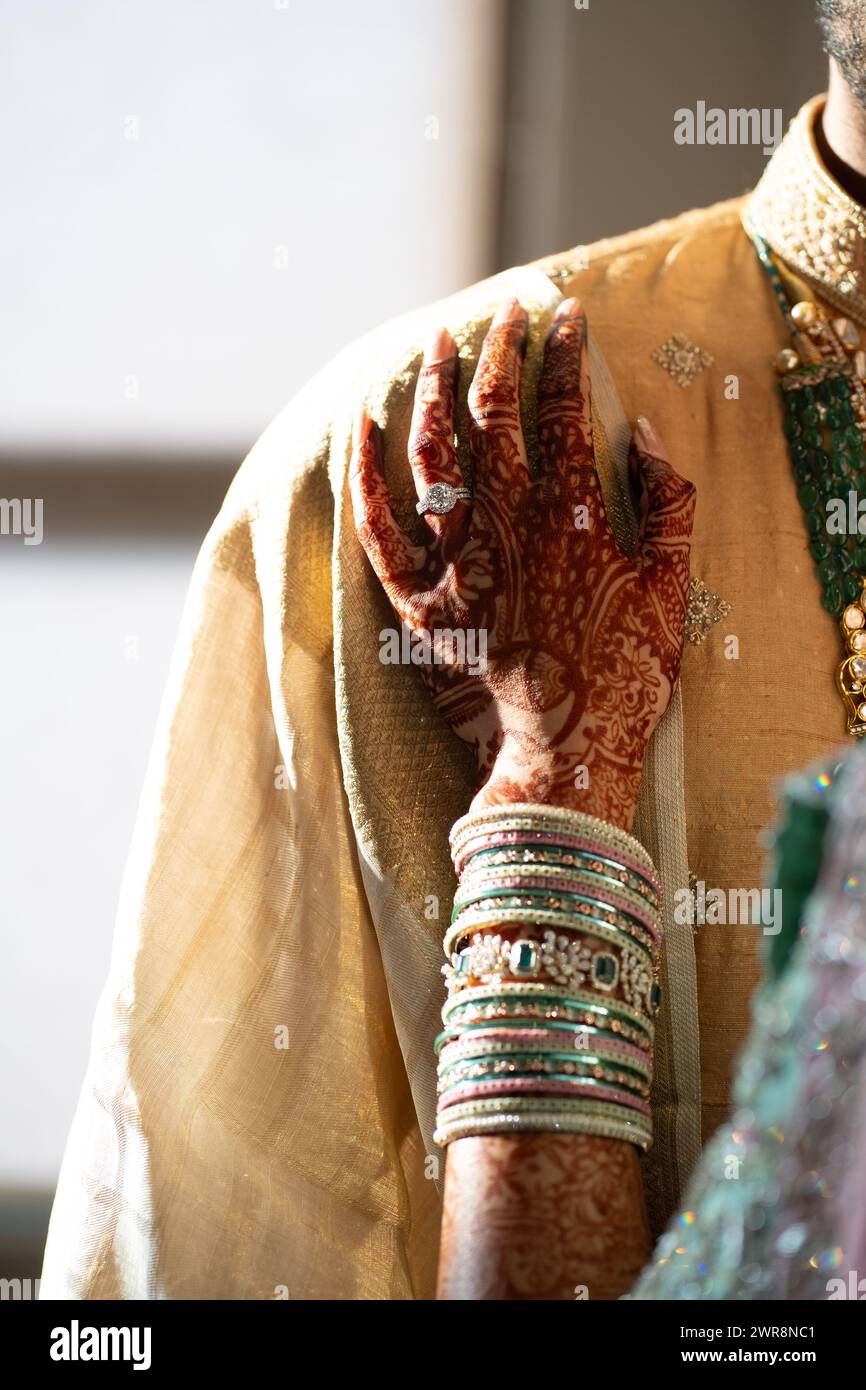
column 552, row 976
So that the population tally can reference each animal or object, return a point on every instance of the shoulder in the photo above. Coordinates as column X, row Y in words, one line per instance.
column 656, row 280
column 703, row 236
column 690, row 289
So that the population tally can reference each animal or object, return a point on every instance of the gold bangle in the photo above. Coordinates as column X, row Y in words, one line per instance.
column 544, row 1124
column 513, row 1122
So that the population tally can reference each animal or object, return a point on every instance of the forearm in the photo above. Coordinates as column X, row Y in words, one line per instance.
column 542, row 1216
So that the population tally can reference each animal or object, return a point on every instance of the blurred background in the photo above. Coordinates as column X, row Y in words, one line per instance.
column 204, row 201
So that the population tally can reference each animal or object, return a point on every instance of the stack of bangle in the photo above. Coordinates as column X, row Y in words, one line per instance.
column 552, row 978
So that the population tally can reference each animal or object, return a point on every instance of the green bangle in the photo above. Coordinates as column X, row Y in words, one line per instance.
column 514, row 857
column 596, row 1003
column 520, row 1051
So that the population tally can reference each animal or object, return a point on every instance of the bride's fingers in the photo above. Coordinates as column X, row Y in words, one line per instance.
column 498, row 451
column 432, row 456
column 395, row 560
column 666, row 513
column 564, row 399
column 565, row 447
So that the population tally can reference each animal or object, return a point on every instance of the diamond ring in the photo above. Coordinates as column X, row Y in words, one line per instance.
column 441, row 498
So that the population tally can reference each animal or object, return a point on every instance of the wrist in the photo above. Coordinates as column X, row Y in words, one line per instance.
column 553, row 778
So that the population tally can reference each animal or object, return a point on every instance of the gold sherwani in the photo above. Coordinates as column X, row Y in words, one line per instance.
column 256, row 1119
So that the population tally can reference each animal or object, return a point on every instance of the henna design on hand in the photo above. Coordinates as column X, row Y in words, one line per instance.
column 583, row 642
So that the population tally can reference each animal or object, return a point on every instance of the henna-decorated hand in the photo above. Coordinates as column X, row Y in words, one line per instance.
column 583, row 643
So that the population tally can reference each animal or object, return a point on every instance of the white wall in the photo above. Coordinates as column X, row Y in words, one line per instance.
column 299, row 125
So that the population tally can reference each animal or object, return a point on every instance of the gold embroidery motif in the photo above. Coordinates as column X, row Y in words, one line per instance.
column 704, row 610
column 681, row 359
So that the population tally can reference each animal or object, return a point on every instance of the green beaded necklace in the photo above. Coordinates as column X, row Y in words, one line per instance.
column 823, row 399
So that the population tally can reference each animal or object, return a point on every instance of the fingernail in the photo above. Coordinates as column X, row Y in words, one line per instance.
column 568, row 309
column 508, row 311
column 647, row 438
column 440, row 347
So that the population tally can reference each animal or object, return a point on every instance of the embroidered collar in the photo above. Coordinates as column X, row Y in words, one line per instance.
column 808, row 219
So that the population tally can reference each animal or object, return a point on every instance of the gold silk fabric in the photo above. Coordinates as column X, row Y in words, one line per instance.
column 256, row 1117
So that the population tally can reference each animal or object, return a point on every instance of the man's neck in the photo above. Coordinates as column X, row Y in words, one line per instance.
column 841, row 137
